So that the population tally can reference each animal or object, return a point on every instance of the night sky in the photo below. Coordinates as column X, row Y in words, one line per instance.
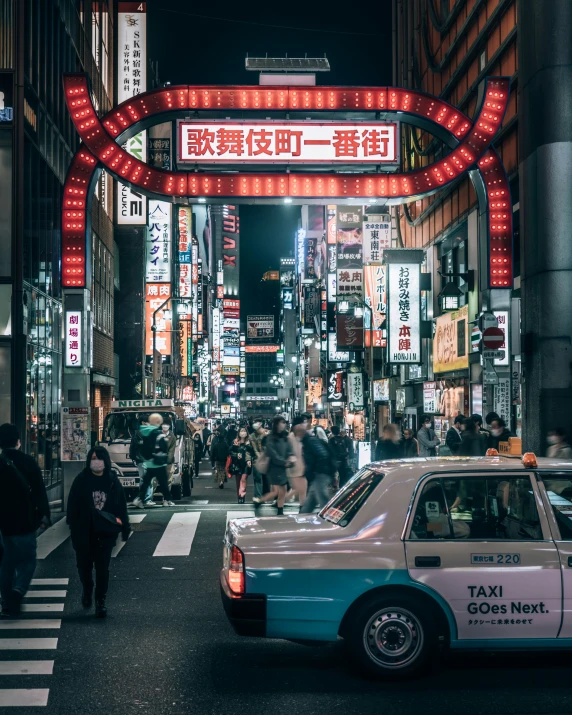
column 190, row 49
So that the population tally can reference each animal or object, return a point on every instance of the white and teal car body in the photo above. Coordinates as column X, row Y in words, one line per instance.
column 411, row 555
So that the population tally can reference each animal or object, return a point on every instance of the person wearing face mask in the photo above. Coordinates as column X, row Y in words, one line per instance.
column 242, row 456
column 427, row 439
column 279, row 451
column 559, row 447
column 154, row 450
column 499, row 432
column 257, row 437
column 409, row 445
column 96, row 515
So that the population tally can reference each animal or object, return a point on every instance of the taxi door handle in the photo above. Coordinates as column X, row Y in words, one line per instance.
column 427, row 561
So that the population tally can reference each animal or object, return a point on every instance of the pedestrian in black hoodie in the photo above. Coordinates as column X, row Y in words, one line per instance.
column 24, row 508
column 97, row 513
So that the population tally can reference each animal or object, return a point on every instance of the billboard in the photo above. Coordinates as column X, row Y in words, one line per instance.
column 355, row 390
column 376, row 237
column 451, row 341
column 260, row 326
column 73, row 339
column 230, row 249
column 185, row 226
column 132, row 80
column 158, row 253
column 335, row 385
column 155, row 295
column 298, row 142
column 404, row 312
column 349, row 332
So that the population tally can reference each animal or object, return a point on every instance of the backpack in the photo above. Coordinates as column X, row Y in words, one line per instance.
column 148, row 445
column 339, row 450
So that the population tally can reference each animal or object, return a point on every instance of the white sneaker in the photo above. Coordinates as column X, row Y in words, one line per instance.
column 138, row 503
column 168, row 503
column 150, row 504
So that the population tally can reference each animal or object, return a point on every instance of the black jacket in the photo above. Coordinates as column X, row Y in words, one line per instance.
column 80, row 508
column 387, row 449
column 453, row 440
column 219, row 449
column 241, row 454
column 316, row 457
column 22, row 507
column 473, row 445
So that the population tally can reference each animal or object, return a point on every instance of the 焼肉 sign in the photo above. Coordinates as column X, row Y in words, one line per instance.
column 248, row 142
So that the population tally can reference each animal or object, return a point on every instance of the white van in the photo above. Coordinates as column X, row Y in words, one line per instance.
column 121, row 424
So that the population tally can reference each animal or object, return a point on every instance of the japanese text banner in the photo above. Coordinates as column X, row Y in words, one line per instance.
column 287, row 143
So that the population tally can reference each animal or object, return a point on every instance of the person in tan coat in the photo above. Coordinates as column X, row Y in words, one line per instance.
column 296, row 473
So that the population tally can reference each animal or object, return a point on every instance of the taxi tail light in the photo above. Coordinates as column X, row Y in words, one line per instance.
column 235, row 576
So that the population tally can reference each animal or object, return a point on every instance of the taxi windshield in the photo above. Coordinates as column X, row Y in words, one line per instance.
column 350, row 499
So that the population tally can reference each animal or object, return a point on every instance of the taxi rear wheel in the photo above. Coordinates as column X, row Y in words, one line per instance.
column 390, row 637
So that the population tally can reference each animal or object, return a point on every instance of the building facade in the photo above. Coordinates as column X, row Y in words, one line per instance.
column 38, row 43
column 448, row 49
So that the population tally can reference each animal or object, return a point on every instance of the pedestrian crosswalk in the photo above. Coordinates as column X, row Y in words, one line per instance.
column 176, row 538
column 29, row 634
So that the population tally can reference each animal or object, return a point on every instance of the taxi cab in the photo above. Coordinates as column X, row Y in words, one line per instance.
column 412, row 556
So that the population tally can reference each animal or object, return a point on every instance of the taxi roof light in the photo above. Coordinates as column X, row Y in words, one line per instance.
column 492, row 452
column 529, row 460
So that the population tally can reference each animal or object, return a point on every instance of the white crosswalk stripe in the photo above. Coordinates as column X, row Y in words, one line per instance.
column 35, row 640
column 28, row 643
column 13, row 697
column 133, row 519
column 26, row 667
column 20, row 624
column 42, row 607
column 52, row 538
column 46, row 594
column 178, row 537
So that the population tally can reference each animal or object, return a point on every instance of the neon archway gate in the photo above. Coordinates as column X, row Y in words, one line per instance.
column 470, row 143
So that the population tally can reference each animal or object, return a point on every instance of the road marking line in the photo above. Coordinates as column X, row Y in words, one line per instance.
column 28, row 643
column 246, row 514
column 49, row 582
column 26, row 623
column 197, row 502
column 26, row 667
column 133, row 519
column 178, row 537
column 16, row 697
column 52, row 538
column 46, row 594
column 41, row 607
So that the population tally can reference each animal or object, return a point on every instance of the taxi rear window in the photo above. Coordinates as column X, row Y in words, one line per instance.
column 350, row 499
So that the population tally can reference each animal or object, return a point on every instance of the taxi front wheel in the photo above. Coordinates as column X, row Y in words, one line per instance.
column 391, row 637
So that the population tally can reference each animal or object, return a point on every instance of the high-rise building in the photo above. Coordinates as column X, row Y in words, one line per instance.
column 39, row 42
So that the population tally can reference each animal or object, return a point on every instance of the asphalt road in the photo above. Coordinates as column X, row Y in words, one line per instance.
column 166, row 647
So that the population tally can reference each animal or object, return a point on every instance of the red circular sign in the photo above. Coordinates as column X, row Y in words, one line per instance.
column 493, row 338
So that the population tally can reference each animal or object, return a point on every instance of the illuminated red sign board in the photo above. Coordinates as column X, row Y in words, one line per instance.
column 248, row 142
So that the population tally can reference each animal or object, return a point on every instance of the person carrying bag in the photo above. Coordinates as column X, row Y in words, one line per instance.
column 96, row 515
